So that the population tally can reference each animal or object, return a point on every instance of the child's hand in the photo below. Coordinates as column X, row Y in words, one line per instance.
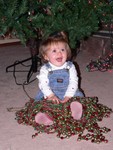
column 54, row 98
column 66, row 99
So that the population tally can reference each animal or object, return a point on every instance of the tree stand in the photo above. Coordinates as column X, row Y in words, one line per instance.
column 33, row 45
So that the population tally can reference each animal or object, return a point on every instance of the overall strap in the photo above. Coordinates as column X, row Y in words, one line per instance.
column 48, row 67
column 69, row 64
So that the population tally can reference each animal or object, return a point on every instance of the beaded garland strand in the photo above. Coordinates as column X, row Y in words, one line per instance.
column 64, row 125
column 101, row 64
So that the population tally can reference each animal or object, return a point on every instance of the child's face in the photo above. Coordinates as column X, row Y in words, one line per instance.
column 56, row 54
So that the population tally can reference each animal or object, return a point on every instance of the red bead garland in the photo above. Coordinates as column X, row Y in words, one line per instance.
column 64, row 125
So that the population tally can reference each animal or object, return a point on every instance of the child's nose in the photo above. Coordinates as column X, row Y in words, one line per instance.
column 59, row 53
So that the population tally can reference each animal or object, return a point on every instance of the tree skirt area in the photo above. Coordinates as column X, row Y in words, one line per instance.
column 64, row 125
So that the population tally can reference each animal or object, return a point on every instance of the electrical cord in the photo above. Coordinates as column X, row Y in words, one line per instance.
column 25, row 82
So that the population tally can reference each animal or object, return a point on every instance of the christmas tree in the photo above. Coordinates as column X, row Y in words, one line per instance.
column 28, row 19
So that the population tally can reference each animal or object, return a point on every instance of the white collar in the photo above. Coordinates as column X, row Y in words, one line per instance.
column 55, row 67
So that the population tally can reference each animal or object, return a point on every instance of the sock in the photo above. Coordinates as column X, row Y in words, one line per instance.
column 76, row 110
column 43, row 118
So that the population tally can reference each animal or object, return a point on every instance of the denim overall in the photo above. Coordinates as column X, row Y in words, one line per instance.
column 58, row 82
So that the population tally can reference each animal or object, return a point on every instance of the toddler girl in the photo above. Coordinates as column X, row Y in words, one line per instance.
column 58, row 80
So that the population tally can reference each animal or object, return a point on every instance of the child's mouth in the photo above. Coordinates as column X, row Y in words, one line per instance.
column 59, row 59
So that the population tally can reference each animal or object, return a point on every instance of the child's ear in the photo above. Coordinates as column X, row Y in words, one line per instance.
column 45, row 57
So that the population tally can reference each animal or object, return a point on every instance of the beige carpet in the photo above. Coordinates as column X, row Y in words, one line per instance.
column 19, row 137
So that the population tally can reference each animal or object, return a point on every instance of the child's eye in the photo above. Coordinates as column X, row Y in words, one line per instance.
column 62, row 50
column 54, row 51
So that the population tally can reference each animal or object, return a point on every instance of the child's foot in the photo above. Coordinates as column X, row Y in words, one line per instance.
column 42, row 118
column 76, row 110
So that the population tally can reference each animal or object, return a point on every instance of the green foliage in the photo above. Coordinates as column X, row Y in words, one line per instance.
column 37, row 19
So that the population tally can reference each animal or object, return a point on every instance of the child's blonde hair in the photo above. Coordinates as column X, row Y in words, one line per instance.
column 60, row 37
